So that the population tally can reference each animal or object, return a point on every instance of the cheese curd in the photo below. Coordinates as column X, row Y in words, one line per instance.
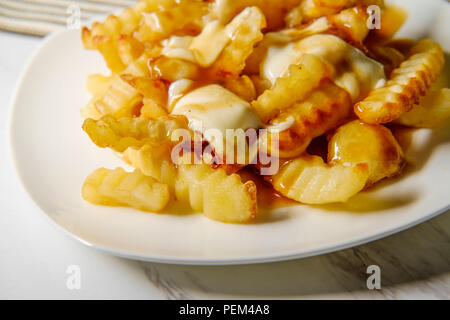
column 352, row 69
column 211, row 108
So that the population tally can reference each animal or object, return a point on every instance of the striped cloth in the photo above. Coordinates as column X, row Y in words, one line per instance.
column 40, row 17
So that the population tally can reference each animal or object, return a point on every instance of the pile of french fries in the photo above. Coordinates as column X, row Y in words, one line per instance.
column 225, row 42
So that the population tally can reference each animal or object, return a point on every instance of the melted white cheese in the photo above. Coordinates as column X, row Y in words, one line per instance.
column 281, row 126
column 206, row 47
column 214, row 107
column 352, row 69
column 177, row 89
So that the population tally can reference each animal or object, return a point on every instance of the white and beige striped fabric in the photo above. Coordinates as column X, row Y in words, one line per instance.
column 40, row 17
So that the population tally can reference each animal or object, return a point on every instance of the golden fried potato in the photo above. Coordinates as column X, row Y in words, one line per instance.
column 405, row 85
column 121, row 99
column 434, row 108
column 129, row 48
column 153, row 110
column 432, row 112
column 153, row 161
column 97, row 84
column 220, row 197
column 309, row 180
column 154, row 92
column 122, row 38
column 274, row 10
column 308, row 10
column 244, row 32
column 90, row 111
column 163, row 18
column 108, row 48
column 294, row 86
column 118, row 95
column 324, row 109
column 140, row 66
column 174, row 69
column 227, row 199
column 242, row 86
column 189, row 184
column 260, row 84
column 120, row 134
column 105, row 37
column 374, row 144
column 120, row 188
column 351, row 25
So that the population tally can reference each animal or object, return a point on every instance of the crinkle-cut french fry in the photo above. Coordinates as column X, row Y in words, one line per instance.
column 374, row 144
column 222, row 204
column 294, row 86
column 113, row 36
column 274, row 10
column 351, row 25
column 140, row 67
column 220, row 196
column 405, row 86
column 161, row 19
column 244, row 33
column 309, row 10
column 260, row 84
column 152, row 109
column 121, row 99
column 242, row 86
column 233, row 43
column 120, row 134
column 124, row 95
column 281, row 37
column 97, row 84
column 100, row 32
column 90, row 111
column 320, row 25
column 432, row 112
column 171, row 69
column 308, row 179
column 120, row 188
column 324, row 109
column 148, row 87
column 109, row 50
column 129, row 48
column 121, row 38
column 153, row 161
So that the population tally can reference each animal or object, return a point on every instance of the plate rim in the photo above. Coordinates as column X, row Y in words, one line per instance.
column 173, row 259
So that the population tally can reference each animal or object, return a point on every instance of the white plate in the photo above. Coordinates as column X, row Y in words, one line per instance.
column 53, row 156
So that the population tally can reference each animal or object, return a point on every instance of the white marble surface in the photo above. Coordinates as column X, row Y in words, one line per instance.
column 34, row 255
